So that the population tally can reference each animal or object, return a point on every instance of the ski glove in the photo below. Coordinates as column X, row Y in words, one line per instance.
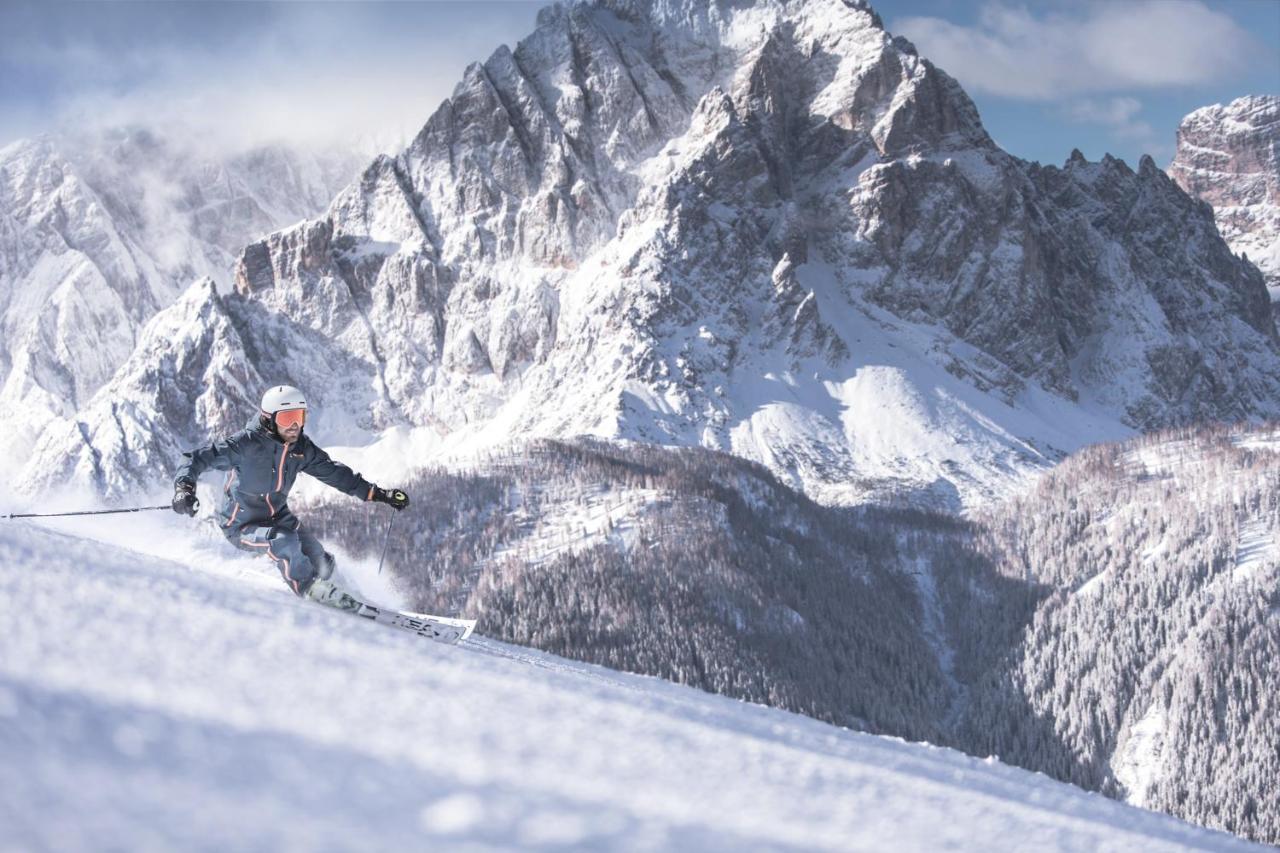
column 184, row 498
column 396, row 498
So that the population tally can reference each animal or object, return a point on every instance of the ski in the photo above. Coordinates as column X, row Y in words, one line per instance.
column 442, row 629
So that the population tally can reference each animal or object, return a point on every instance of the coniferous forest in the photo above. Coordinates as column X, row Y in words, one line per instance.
column 1117, row 627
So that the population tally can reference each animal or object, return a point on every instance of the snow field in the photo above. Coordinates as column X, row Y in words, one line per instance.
column 148, row 705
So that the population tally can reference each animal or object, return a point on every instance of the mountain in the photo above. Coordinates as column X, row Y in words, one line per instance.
column 774, row 233
column 1229, row 156
column 768, row 228
column 99, row 233
column 199, row 706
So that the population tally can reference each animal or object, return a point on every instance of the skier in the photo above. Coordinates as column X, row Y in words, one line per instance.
column 264, row 459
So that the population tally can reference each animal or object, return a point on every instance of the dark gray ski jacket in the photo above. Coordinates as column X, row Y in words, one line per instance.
column 262, row 470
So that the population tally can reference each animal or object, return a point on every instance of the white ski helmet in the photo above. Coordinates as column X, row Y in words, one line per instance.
column 281, row 397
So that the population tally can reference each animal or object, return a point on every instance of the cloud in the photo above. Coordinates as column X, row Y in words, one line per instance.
column 1113, row 111
column 1090, row 48
column 237, row 75
column 1117, row 114
column 1120, row 116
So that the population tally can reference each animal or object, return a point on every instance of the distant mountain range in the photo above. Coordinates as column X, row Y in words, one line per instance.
column 767, row 228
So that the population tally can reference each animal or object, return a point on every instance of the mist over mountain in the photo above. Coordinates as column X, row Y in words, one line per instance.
column 101, row 231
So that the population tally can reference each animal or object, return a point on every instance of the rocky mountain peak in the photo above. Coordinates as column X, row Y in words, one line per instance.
column 1229, row 156
column 692, row 16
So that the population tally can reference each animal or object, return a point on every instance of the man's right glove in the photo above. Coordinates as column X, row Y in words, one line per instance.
column 396, row 498
column 184, row 498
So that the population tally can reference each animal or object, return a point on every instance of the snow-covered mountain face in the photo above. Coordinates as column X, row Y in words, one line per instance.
column 769, row 228
column 1229, row 156
column 97, row 234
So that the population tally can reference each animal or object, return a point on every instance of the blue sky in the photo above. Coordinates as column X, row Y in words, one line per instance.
column 1104, row 76
column 1100, row 75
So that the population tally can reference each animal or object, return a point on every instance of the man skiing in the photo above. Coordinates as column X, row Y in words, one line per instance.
column 264, row 459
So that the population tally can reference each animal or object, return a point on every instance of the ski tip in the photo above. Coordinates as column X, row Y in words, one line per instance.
column 445, row 629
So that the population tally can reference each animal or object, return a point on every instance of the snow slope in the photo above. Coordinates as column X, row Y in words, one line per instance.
column 147, row 704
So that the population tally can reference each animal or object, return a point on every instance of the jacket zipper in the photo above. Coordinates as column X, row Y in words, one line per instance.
column 284, row 453
column 280, row 476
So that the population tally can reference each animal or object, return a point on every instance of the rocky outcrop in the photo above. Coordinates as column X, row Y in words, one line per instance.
column 1229, row 156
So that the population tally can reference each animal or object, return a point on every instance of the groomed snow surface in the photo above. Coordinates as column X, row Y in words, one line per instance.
column 188, row 701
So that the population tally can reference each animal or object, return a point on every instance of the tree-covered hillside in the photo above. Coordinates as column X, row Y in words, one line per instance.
column 1116, row 627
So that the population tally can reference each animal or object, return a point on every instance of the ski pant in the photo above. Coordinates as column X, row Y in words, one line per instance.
column 296, row 552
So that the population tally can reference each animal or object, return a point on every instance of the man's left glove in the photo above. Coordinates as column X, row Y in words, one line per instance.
column 184, row 498
column 396, row 498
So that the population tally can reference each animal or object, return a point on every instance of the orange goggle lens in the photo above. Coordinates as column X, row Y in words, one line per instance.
column 291, row 417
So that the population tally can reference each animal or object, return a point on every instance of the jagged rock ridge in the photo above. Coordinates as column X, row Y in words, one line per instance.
column 770, row 228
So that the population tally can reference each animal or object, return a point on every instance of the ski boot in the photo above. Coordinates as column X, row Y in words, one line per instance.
column 329, row 594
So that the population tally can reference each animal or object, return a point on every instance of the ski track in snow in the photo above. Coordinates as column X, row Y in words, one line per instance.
column 147, row 704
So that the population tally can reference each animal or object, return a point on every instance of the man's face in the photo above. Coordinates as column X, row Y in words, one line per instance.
column 289, row 423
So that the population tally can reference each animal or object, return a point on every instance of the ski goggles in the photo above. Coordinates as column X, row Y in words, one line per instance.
column 291, row 417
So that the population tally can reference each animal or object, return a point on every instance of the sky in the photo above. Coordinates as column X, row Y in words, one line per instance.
column 240, row 72
column 1104, row 76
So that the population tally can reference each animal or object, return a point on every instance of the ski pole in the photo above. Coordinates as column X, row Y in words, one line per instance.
column 385, row 541
column 84, row 512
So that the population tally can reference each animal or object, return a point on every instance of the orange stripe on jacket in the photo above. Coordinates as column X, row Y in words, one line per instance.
column 288, row 578
column 280, row 476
